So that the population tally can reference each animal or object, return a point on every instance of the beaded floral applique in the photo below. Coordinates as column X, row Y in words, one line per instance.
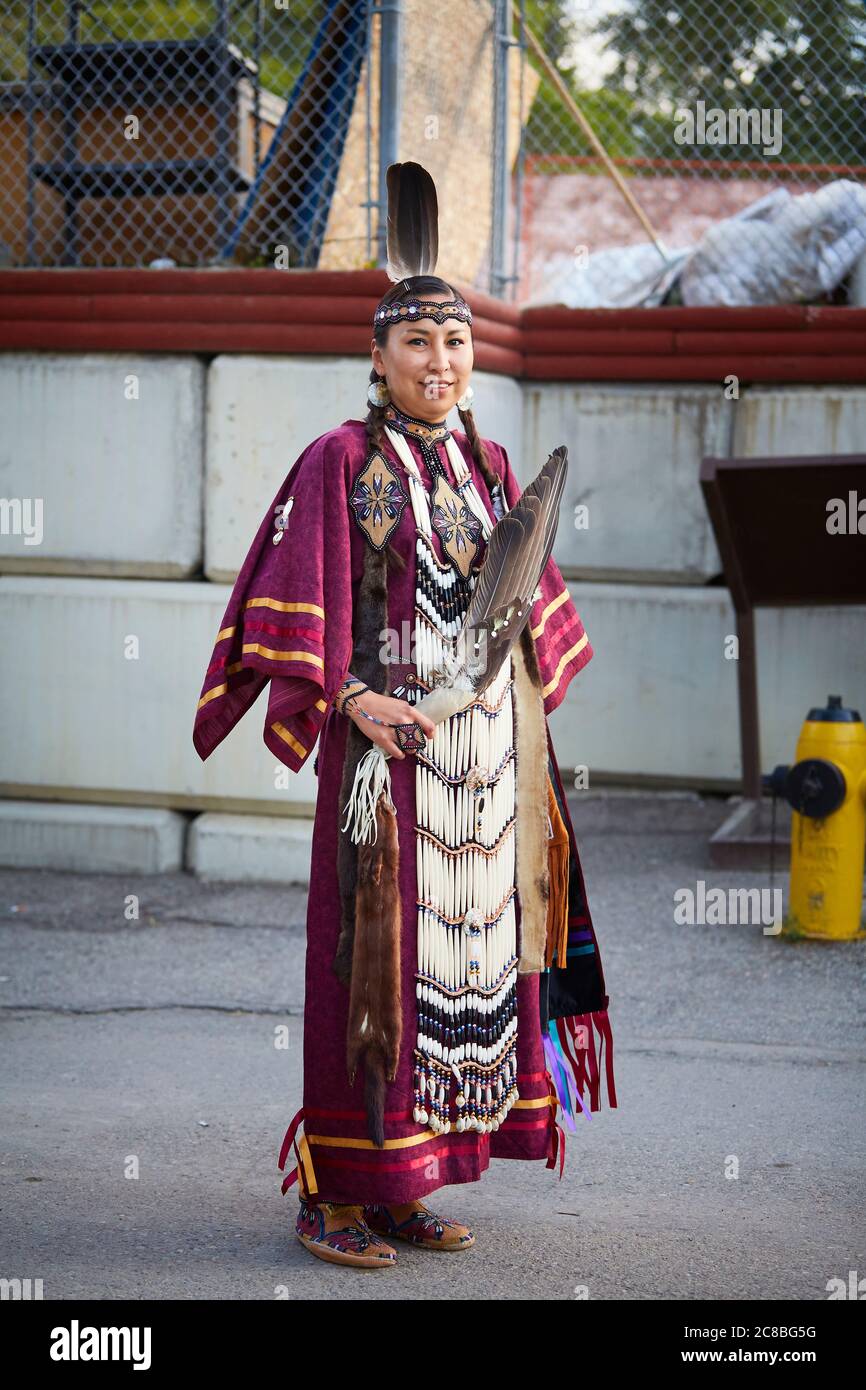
column 377, row 500
column 458, row 528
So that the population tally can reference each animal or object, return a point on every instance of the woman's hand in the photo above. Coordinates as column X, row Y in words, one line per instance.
column 393, row 712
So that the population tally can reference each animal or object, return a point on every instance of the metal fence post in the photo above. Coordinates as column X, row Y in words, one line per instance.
column 500, row 179
column 389, row 108
column 503, row 41
column 517, row 225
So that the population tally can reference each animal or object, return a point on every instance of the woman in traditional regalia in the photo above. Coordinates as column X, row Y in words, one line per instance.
column 453, row 979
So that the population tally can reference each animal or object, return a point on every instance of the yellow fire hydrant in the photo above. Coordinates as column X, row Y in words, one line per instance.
column 826, row 789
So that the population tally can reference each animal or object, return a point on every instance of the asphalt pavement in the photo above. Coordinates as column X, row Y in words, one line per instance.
column 144, row 1101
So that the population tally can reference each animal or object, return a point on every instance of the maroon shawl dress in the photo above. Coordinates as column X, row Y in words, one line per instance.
column 289, row 624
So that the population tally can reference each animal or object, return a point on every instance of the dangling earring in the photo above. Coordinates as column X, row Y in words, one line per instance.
column 465, row 401
column 378, row 392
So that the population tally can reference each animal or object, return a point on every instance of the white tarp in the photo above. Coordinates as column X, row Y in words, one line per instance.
column 780, row 250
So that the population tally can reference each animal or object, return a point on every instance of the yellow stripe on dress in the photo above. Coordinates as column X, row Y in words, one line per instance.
column 272, row 655
column 551, row 608
column 563, row 662
column 212, row 695
column 306, row 1158
column 222, row 690
column 275, row 604
column 285, row 607
column 282, row 732
column 338, row 1142
column 335, row 1141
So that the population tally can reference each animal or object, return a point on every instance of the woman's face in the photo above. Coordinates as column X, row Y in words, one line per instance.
column 427, row 365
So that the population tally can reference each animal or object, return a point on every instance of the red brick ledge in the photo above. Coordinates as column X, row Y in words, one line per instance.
column 329, row 312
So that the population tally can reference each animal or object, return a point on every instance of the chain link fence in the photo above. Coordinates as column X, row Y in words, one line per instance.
column 585, row 151
column 702, row 112
column 192, row 130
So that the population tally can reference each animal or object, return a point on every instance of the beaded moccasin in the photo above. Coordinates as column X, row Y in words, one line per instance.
column 339, row 1233
column 414, row 1222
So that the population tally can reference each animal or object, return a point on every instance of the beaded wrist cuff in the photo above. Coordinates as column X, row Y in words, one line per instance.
column 351, row 686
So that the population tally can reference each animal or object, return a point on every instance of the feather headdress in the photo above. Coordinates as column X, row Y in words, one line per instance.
column 413, row 222
column 412, row 247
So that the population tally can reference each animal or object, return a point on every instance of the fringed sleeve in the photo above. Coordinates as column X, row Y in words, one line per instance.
column 289, row 618
column 561, row 643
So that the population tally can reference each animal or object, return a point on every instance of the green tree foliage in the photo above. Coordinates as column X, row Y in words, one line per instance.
column 806, row 59
column 554, row 24
column 551, row 128
column 286, row 33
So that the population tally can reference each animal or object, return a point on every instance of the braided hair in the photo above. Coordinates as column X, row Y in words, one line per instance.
column 374, row 424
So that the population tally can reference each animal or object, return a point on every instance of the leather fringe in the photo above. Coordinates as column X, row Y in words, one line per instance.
column 574, row 1049
column 576, row 1038
column 558, row 849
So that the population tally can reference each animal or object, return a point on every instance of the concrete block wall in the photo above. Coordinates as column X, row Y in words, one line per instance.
column 771, row 422
column 114, row 672
column 151, row 500
column 634, row 456
column 113, row 448
column 658, row 702
column 660, row 685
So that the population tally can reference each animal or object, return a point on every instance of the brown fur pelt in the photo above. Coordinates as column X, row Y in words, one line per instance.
column 375, row 1026
column 532, row 870
column 530, row 656
column 370, row 619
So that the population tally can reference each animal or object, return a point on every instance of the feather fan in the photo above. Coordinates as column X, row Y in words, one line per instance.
column 517, row 553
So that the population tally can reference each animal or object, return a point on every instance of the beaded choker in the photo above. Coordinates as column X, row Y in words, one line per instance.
column 429, row 433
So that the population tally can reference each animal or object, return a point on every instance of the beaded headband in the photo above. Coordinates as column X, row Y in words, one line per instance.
column 423, row 309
